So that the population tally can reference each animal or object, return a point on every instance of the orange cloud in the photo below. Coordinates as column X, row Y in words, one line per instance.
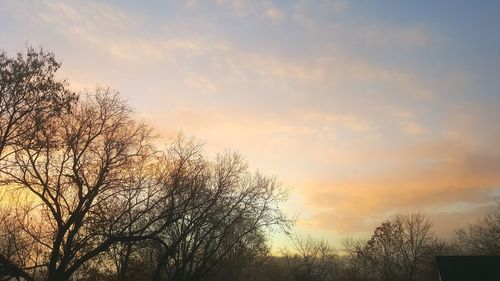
column 430, row 178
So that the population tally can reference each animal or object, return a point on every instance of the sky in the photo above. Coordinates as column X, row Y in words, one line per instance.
column 361, row 108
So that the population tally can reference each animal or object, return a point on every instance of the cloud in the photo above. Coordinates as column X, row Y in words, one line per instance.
column 412, row 128
column 273, row 13
column 120, row 34
column 243, row 125
column 395, row 36
column 339, row 6
column 428, row 178
column 305, row 16
column 115, row 31
column 242, row 9
column 191, row 3
column 350, row 122
column 200, row 83
column 237, row 7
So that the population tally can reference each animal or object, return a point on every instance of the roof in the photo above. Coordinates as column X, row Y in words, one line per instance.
column 468, row 268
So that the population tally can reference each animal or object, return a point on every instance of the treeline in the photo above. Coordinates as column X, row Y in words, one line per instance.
column 402, row 248
column 86, row 194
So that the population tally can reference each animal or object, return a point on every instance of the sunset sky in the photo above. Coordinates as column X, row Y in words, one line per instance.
column 361, row 108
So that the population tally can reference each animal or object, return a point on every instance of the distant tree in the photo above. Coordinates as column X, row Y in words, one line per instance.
column 358, row 263
column 400, row 249
column 312, row 260
column 483, row 237
column 243, row 260
column 403, row 247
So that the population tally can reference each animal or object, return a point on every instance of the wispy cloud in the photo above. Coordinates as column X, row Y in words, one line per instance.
column 258, row 8
column 115, row 31
column 412, row 128
column 274, row 13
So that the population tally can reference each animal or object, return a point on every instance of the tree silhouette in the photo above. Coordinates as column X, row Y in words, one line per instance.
column 29, row 94
column 311, row 259
column 483, row 237
column 399, row 249
column 99, row 193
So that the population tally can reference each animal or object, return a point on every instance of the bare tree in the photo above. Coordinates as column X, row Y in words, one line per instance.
column 359, row 264
column 16, row 250
column 227, row 207
column 95, row 180
column 29, row 94
column 399, row 249
column 244, row 261
column 483, row 237
column 312, row 260
column 104, row 201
